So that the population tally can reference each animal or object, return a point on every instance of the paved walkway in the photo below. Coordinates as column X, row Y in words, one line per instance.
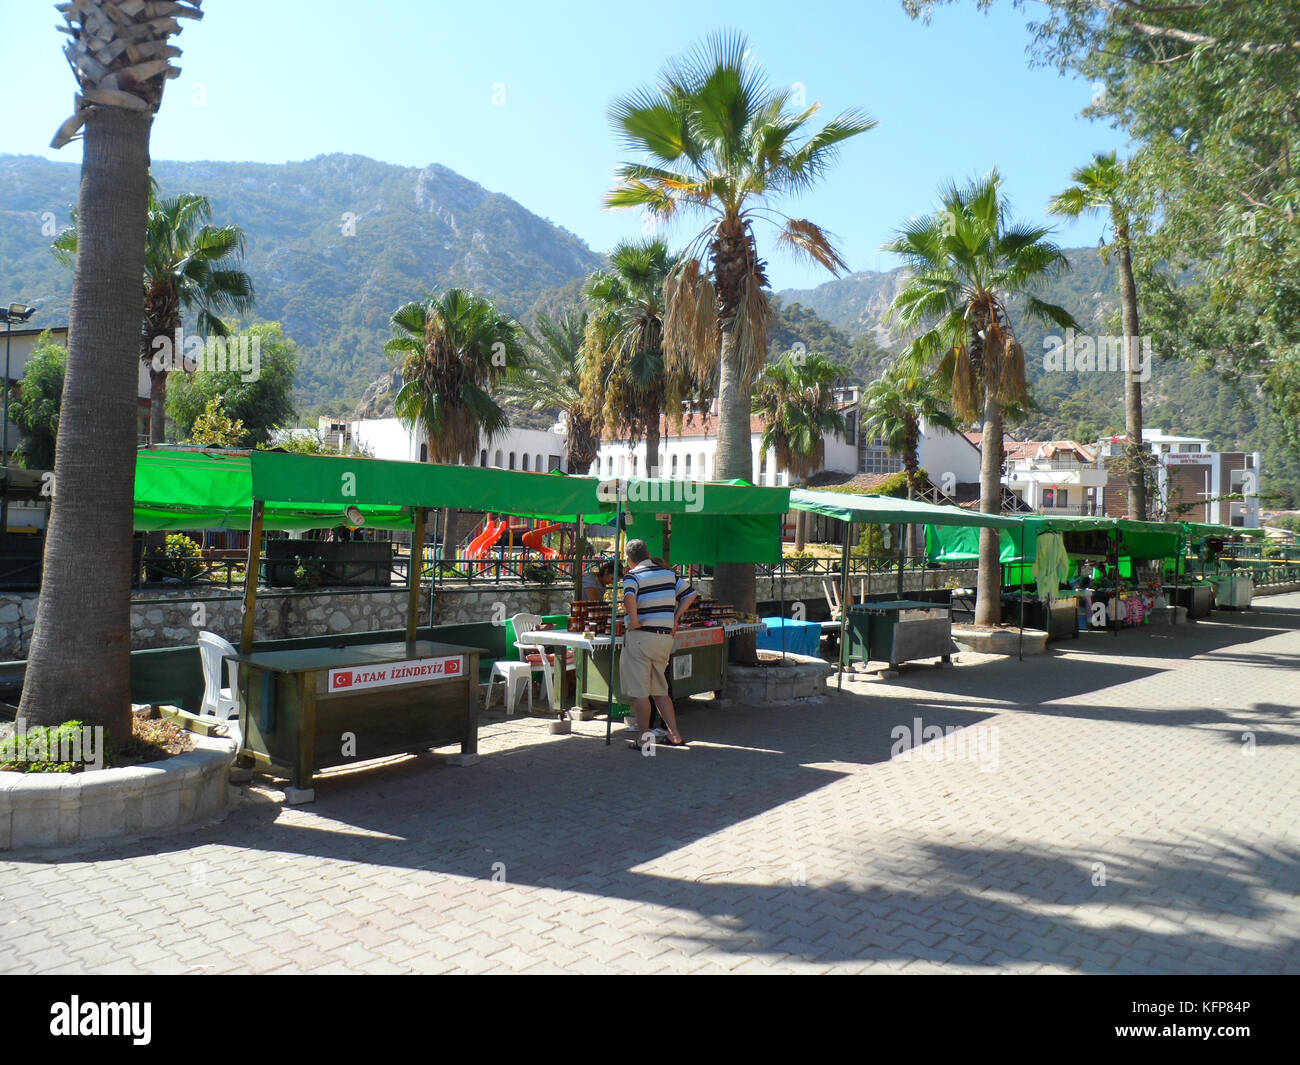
column 1128, row 804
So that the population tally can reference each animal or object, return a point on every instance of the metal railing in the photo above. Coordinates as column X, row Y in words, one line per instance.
column 161, row 571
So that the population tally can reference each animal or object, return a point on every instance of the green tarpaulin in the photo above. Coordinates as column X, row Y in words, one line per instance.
column 213, row 490
column 711, row 521
column 1142, row 540
column 888, row 510
column 279, row 477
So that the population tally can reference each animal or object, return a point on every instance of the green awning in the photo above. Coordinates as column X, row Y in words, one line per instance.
column 177, row 489
column 662, row 495
column 889, row 510
column 1142, row 540
column 346, row 480
column 1145, row 540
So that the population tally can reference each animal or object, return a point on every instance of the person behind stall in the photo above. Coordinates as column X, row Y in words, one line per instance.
column 655, row 598
column 595, row 582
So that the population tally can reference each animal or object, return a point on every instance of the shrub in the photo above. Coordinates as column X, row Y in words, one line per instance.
column 45, row 741
column 182, row 550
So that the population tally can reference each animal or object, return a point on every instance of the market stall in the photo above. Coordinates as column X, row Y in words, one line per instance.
column 683, row 523
column 304, row 710
column 925, row 636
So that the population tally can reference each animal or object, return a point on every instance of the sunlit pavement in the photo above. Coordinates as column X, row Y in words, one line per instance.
column 1123, row 804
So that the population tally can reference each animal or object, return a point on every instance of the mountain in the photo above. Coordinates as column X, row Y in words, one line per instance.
column 334, row 245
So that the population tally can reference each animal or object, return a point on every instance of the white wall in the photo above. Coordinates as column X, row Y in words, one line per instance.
column 942, row 452
column 387, row 438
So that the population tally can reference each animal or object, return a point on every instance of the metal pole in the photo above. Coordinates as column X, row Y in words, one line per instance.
column 844, row 600
column 578, row 558
column 902, row 559
column 1021, row 649
column 250, row 576
column 433, row 577
column 413, row 577
column 782, row 598
column 615, row 595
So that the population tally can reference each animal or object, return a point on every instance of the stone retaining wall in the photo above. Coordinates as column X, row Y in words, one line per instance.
column 174, row 617
column 61, row 809
column 802, row 677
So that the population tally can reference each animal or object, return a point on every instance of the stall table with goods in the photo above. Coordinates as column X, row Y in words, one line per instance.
column 698, row 664
column 900, row 630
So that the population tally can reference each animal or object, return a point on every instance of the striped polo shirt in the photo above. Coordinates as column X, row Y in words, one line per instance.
column 658, row 590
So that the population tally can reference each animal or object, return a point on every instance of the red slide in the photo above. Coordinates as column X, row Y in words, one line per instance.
column 533, row 540
column 486, row 540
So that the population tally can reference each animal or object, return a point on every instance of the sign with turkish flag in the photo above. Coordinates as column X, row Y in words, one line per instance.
column 410, row 671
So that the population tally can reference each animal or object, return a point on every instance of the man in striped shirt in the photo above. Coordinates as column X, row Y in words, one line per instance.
column 655, row 598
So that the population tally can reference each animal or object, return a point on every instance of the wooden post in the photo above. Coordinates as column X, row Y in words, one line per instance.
column 579, row 561
column 413, row 576
column 250, row 576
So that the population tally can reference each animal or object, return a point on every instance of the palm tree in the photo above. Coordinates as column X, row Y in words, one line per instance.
column 1101, row 185
column 625, row 382
column 715, row 139
column 553, row 381
column 78, row 667
column 795, row 396
column 189, row 266
column 893, row 408
column 455, row 350
column 966, row 260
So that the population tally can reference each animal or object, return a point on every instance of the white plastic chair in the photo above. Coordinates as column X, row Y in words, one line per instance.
column 513, row 675
column 535, row 656
column 218, row 701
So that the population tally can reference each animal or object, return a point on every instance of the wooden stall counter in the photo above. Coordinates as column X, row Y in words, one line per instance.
column 311, row 709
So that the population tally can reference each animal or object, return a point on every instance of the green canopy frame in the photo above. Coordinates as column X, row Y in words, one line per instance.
column 851, row 508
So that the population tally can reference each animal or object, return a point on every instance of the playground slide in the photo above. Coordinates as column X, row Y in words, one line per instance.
column 486, row 540
column 533, row 540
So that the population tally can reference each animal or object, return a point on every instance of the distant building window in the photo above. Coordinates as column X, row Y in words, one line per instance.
column 686, row 467
column 424, row 452
column 512, row 460
column 555, row 463
column 499, row 460
column 538, row 464
column 482, row 457
column 702, row 468
column 525, row 460
column 674, row 466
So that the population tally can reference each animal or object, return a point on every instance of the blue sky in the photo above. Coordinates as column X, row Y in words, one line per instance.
column 514, row 95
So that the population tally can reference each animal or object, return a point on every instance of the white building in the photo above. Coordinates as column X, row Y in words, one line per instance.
column 689, row 453
column 1055, row 476
column 530, row 450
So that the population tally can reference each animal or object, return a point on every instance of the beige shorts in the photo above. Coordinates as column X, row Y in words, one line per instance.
column 644, row 660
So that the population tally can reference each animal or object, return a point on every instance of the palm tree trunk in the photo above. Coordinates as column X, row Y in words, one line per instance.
column 652, row 446
column 1137, row 502
column 733, row 582
column 988, row 589
column 79, row 663
column 800, row 529
column 157, row 406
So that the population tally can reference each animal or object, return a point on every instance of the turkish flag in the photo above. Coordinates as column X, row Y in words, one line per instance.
column 453, row 666
column 343, row 680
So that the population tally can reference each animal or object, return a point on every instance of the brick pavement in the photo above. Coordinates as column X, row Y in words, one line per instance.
column 1137, row 814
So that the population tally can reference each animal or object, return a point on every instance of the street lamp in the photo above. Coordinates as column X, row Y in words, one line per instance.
column 15, row 312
